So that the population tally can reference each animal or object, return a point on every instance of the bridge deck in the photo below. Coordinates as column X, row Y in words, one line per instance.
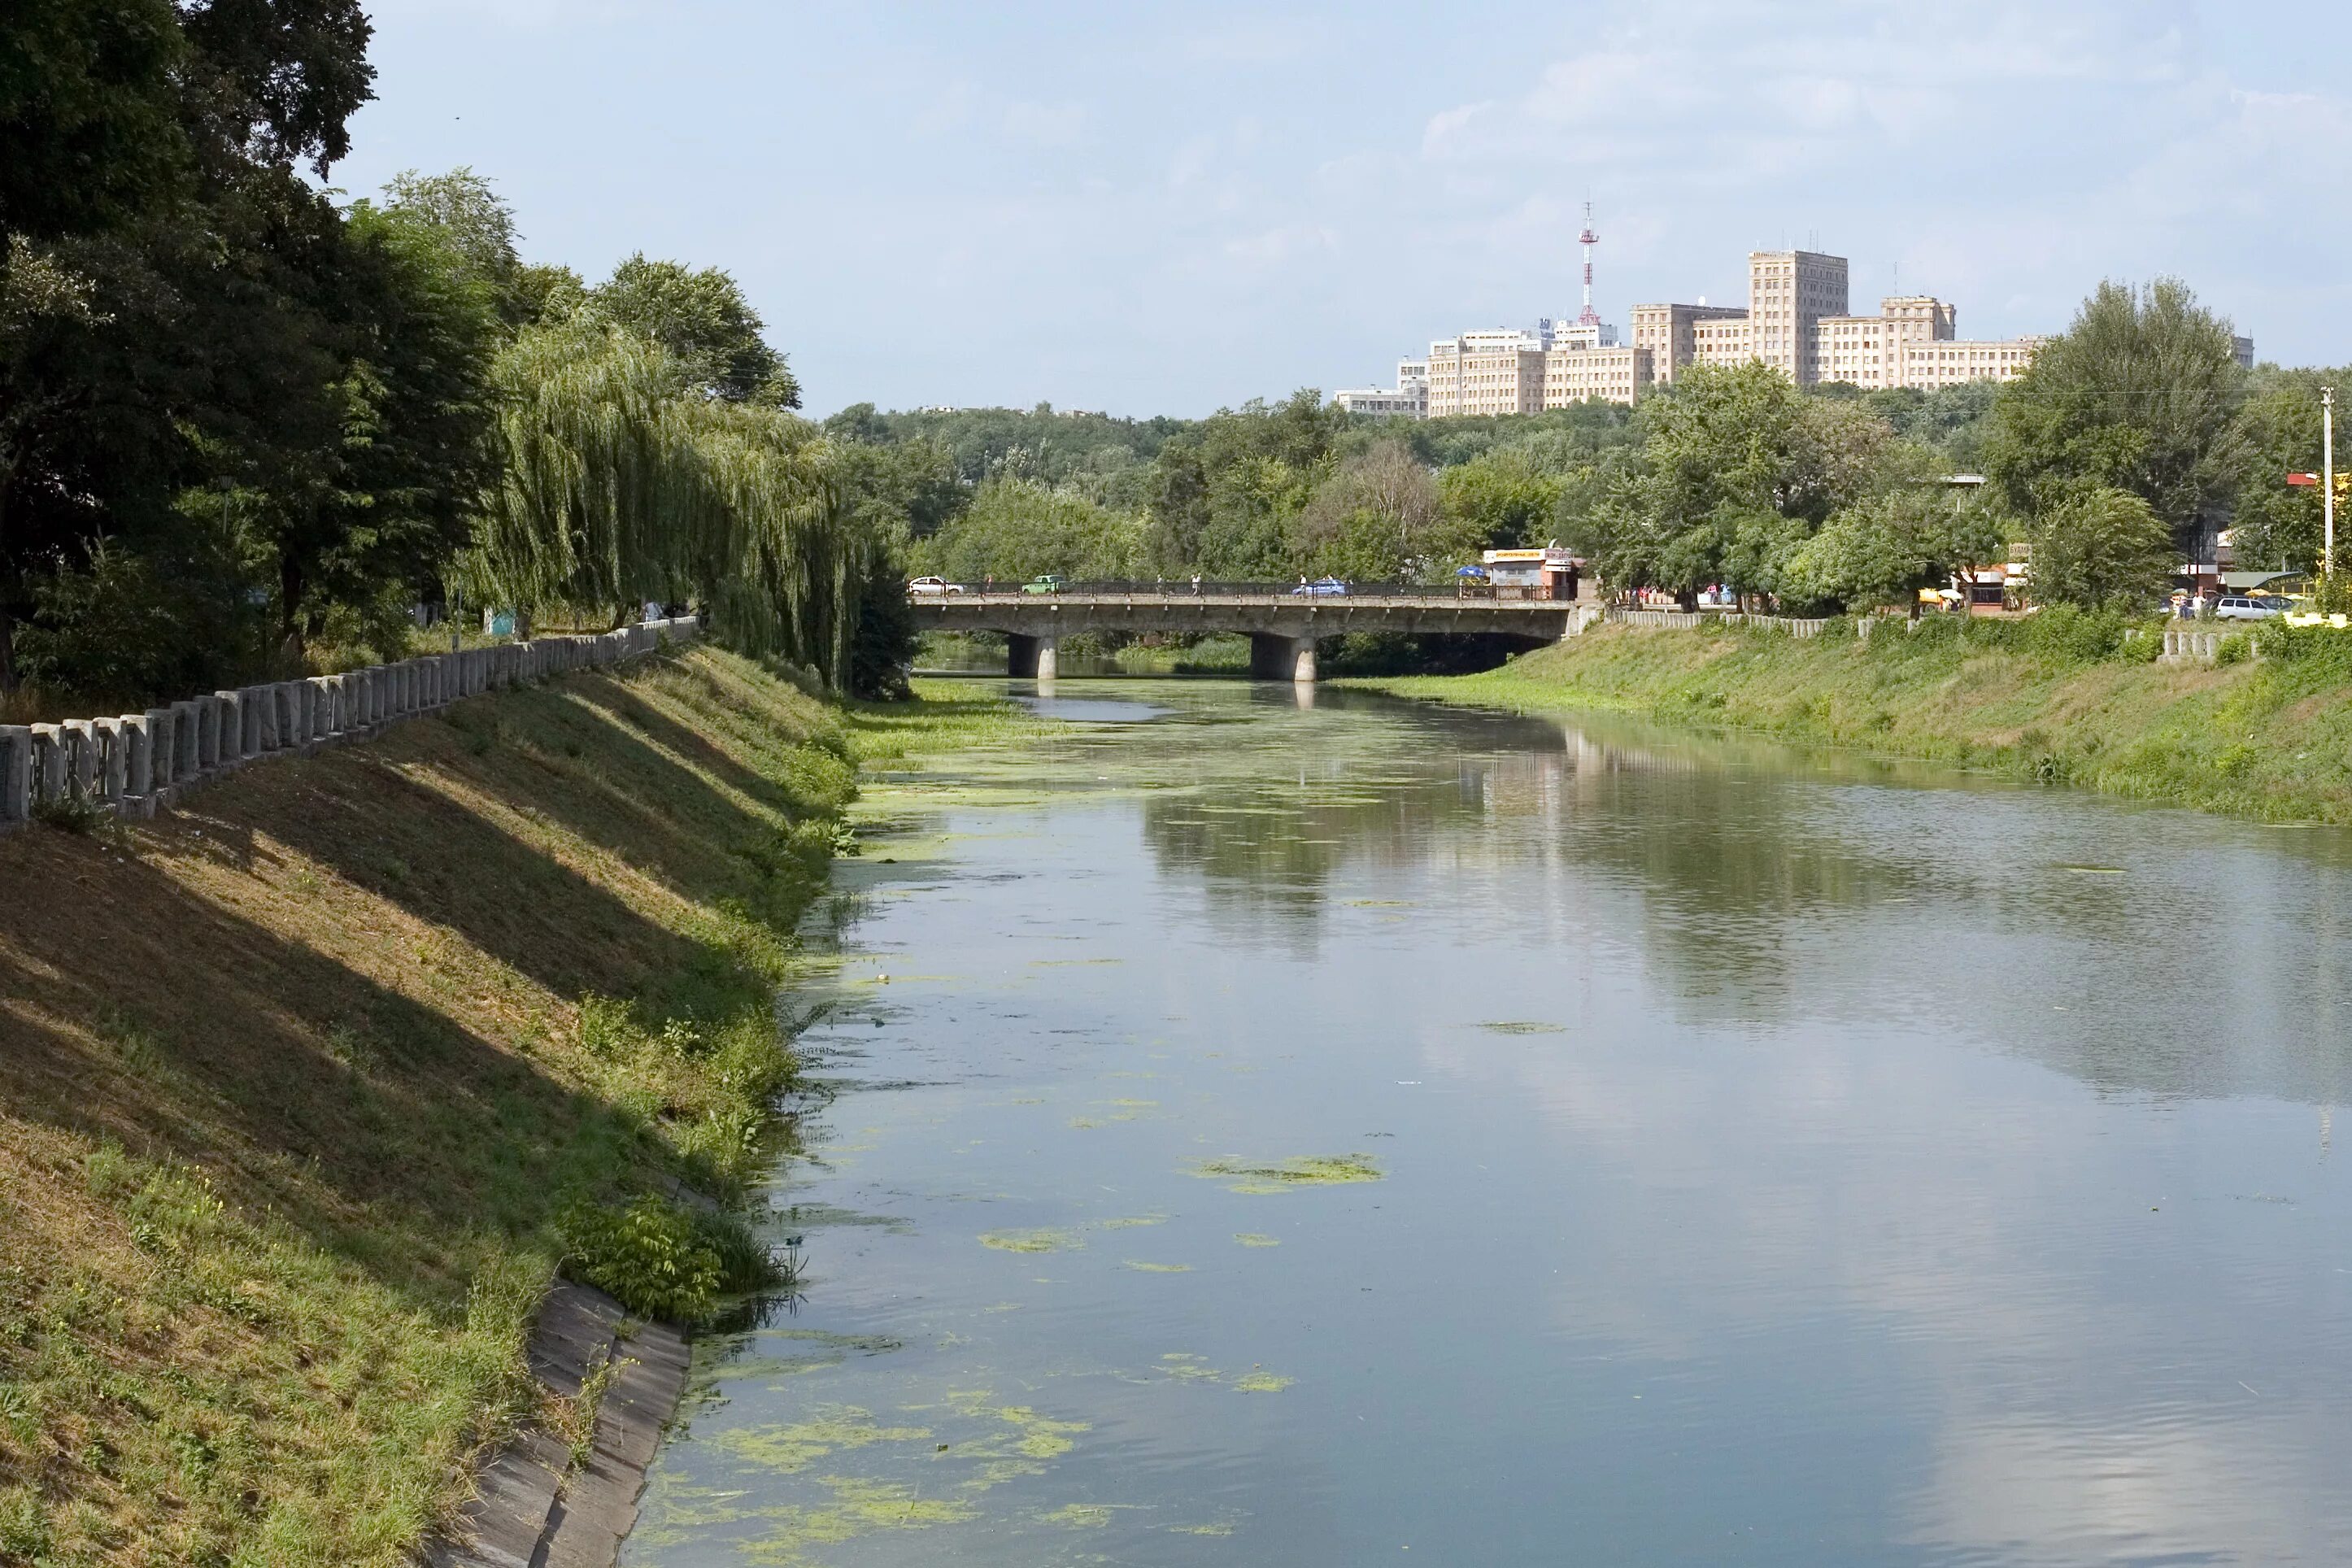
column 1283, row 627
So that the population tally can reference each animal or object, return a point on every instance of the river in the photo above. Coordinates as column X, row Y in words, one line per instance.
column 1316, row 1130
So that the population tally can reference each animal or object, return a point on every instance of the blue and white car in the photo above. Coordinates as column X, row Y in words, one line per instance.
column 1323, row 588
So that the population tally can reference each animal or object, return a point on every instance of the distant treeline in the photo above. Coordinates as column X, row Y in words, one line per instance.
column 2135, row 442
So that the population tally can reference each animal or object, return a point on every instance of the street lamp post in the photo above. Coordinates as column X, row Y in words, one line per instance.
column 2327, row 480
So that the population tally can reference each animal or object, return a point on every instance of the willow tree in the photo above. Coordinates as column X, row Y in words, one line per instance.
column 622, row 481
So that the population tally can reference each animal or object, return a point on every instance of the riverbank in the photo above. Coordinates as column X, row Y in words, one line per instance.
column 2066, row 702
column 306, row 1087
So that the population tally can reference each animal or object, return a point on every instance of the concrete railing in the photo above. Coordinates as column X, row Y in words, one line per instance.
column 1791, row 624
column 132, row 763
column 1658, row 620
column 2186, row 647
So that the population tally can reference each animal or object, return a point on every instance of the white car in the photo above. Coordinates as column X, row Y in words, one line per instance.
column 2234, row 608
column 922, row 586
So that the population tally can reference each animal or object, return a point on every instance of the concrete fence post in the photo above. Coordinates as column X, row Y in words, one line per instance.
column 112, row 765
column 138, row 755
column 232, row 727
column 174, row 763
column 80, row 737
column 207, row 734
column 16, row 772
column 48, row 763
column 288, row 709
column 159, row 751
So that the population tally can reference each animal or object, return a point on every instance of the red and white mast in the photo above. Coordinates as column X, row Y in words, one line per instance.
column 1590, row 317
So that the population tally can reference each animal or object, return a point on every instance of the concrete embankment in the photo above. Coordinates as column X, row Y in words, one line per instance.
column 2264, row 732
column 300, row 1078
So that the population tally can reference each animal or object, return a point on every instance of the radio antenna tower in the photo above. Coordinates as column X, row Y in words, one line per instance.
column 1590, row 317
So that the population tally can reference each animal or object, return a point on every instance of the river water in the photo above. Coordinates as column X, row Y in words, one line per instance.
column 1366, row 1134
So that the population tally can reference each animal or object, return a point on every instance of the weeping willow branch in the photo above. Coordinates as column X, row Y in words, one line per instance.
column 623, row 484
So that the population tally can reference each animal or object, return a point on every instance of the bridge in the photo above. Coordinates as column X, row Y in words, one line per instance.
column 1283, row 625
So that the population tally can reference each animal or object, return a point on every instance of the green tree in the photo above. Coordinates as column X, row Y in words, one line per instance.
column 1501, row 498
column 2278, row 525
column 2101, row 547
column 1016, row 528
column 1735, row 465
column 90, row 136
column 1376, row 519
column 1223, row 500
column 1888, row 546
column 2139, row 393
column 476, row 226
column 169, row 327
column 703, row 321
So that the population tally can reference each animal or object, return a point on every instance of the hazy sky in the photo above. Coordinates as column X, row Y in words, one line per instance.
column 1165, row 209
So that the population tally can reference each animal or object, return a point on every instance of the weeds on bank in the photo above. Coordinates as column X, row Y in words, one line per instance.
column 2062, row 697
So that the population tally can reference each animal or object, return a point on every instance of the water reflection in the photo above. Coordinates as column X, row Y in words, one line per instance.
column 1779, row 1161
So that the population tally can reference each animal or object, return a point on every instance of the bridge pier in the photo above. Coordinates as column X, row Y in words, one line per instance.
column 1273, row 656
column 1030, row 658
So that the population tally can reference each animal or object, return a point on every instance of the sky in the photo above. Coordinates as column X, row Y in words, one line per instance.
column 1165, row 209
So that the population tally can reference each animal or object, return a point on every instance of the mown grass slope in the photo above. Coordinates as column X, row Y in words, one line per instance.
column 297, row 1082
column 2069, row 701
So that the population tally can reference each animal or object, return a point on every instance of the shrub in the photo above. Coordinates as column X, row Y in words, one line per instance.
column 2235, row 648
column 661, row 1259
column 650, row 1256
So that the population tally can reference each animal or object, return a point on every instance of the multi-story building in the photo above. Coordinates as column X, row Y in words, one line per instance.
column 1796, row 320
column 1386, row 402
column 1409, row 399
column 1502, row 370
column 1496, row 371
column 1670, row 333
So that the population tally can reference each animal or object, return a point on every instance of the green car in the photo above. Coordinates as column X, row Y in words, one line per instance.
column 1045, row 583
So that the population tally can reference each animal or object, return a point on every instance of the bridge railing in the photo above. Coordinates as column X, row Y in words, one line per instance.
column 1176, row 588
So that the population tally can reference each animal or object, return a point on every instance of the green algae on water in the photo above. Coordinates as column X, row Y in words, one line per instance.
column 1524, row 1026
column 1252, row 1239
column 795, row 1447
column 1032, row 1240
column 1262, row 1382
column 1158, row 1267
column 1308, row 1170
column 857, row 1508
column 1079, row 1516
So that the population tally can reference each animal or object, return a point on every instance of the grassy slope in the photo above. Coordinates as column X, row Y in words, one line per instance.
column 292, row 1083
column 2271, row 740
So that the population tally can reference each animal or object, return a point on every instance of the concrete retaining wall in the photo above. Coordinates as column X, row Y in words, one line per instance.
column 135, row 762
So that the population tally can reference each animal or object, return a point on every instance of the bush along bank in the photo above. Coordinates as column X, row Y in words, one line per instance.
column 2059, row 697
column 309, row 1089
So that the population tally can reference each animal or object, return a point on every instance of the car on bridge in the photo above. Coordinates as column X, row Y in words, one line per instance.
column 1043, row 582
column 1322, row 588
column 921, row 586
